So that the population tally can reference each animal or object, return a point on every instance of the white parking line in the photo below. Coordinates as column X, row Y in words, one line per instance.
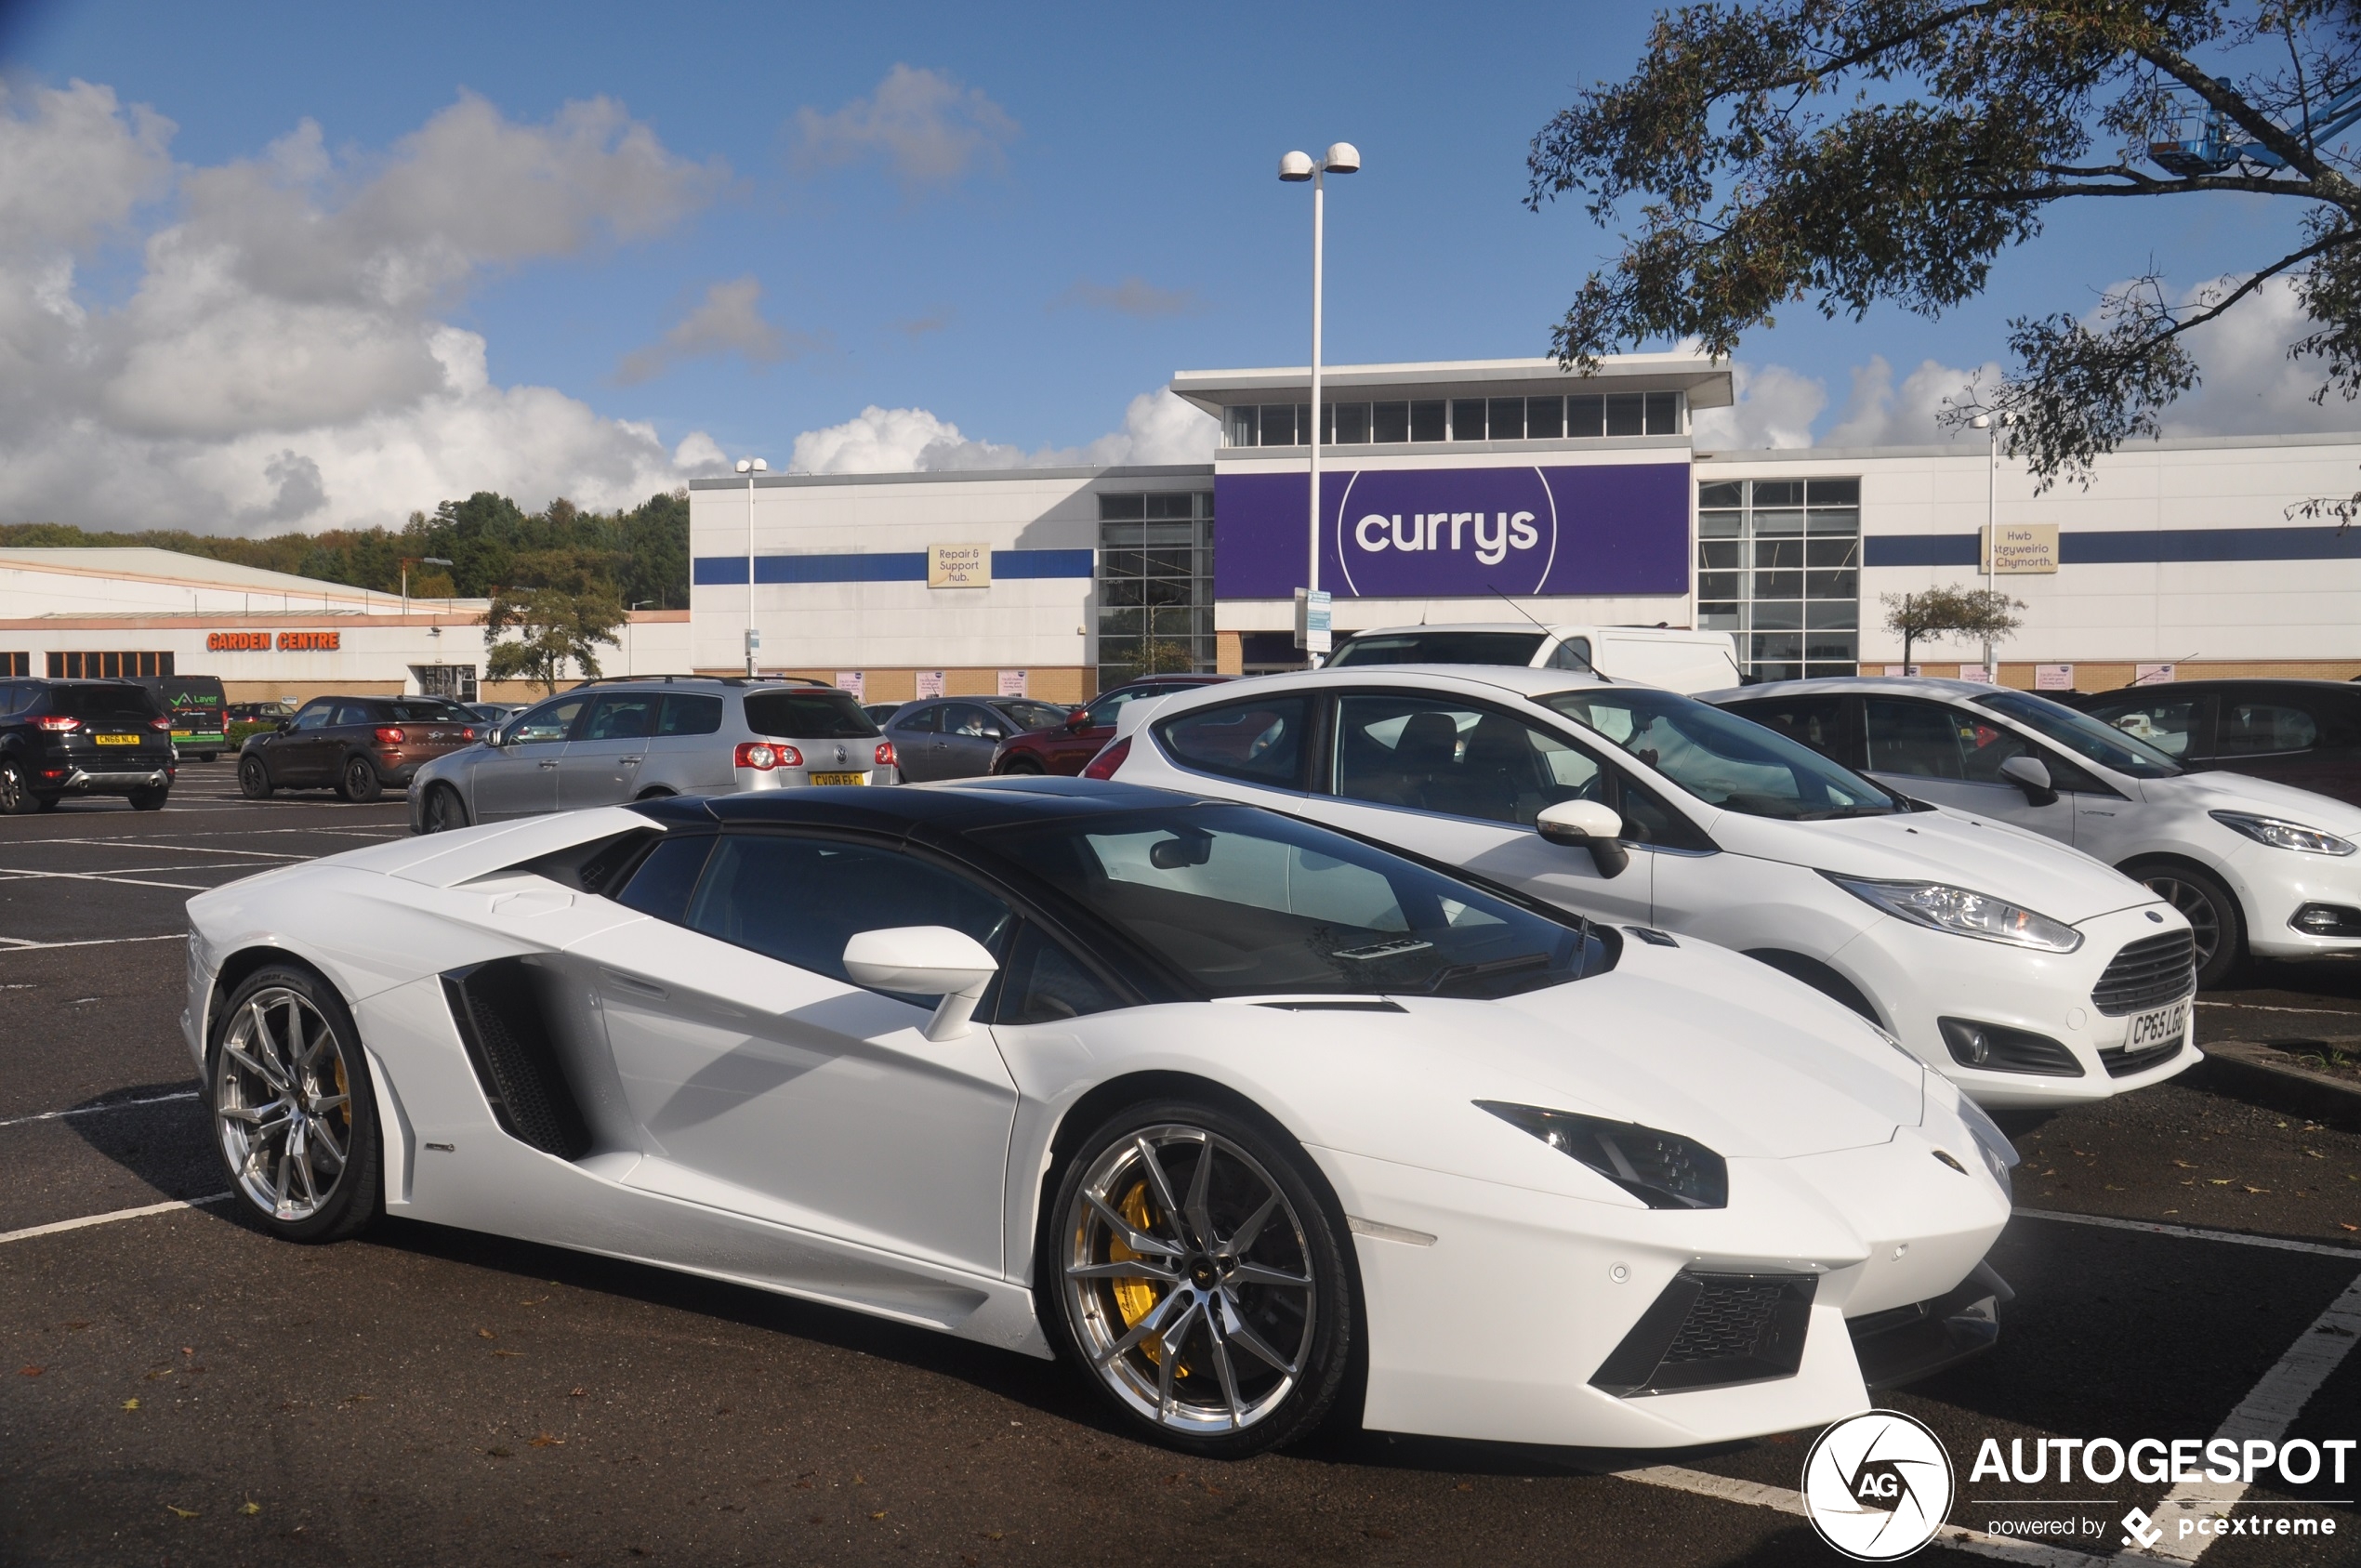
column 2259, row 1007
column 94, row 1109
column 27, row 944
column 184, row 849
column 2191, row 1232
column 17, row 873
column 89, row 1220
column 1702, row 1485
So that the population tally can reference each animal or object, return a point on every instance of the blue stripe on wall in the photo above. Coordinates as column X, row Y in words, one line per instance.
column 2090, row 546
column 893, row 566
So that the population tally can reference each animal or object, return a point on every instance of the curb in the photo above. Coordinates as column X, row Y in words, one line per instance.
column 2261, row 1076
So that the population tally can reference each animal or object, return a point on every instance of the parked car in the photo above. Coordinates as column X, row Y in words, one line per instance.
column 879, row 712
column 1672, row 658
column 258, row 713
column 198, row 710
column 1232, row 1111
column 614, row 741
column 82, row 737
column 1066, row 747
column 2259, row 868
column 958, row 737
column 494, row 713
column 2306, row 733
column 355, row 746
column 2031, row 975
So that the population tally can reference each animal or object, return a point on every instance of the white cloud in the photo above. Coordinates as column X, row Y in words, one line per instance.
column 927, row 128
column 728, row 320
column 2251, row 386
column 283, row 360
column 1878, row 414
column 1133, row 296
column 1157, row 428
column 1774, row 407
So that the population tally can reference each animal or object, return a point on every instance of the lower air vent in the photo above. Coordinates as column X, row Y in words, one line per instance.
column 1709, row 1331
column 497, row 1007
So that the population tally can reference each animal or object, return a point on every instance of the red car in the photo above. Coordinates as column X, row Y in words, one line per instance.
column 1073, row 743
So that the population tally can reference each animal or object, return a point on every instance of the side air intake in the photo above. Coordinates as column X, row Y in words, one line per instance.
column 497, row 1008
column 1709, row 1331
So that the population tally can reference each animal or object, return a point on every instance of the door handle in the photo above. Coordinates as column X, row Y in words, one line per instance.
column 548, row 765
column 627, row 762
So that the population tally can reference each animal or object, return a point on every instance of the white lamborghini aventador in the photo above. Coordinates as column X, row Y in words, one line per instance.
column 1238, row 1113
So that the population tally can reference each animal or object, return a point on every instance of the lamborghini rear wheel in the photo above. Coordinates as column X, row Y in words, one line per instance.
column 1199, row 1278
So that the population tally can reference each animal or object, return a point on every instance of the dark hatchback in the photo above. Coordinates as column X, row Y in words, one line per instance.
column 82, row 737
column 357, row 745
column 2306, row 733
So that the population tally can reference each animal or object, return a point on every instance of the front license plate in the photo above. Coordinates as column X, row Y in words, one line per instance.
column 2162, row 1026
column 117, row 740
column 840, row 778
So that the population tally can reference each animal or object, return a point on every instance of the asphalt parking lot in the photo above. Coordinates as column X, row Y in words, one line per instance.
column 180, row 1390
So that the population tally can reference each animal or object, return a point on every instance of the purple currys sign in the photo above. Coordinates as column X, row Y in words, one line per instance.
column 1620, row 528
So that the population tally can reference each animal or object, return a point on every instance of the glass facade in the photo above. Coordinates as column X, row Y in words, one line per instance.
column 1779, row 564
column 1155, row 585
column 1459, row 419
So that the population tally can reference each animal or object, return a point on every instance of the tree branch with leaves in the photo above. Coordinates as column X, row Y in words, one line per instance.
column 566, row 607
column 1977, row 615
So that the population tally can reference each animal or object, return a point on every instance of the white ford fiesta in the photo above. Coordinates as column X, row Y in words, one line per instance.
column 1238, row 1114
column 2033, row 975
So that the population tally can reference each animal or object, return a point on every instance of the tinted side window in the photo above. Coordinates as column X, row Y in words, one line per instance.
column 1044, row 983
column 1817, row 722
column 357, row 714
column 662, row 885
column 317, row 715
column 1573, row 653
column 2252, row 727
column 926, row 720
column 689, row 713
column 550, row 722
column 1432, row 754
column 621, row 716
column 966, row 719
column 800, row 900
column 1260, row 741
column 1913, row 738
column 2175, row 724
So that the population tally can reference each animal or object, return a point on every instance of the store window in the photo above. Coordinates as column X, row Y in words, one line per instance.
column 455, row 682
column 15, row 663
column 1155, row 585
column 1779, row 564
column 1461, row 420
column 79, row 665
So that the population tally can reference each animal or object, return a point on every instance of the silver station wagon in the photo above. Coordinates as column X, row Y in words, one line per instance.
column 615, row 741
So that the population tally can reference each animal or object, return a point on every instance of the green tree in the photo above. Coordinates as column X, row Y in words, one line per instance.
column 1977, row 615
column 1840, row 153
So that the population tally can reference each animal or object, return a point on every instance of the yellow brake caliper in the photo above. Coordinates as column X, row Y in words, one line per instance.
column 1135, row 1298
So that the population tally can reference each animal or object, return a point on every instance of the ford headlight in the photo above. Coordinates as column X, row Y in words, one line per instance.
column 1662, row 1169
column 2000, row 1154
column 1962, row 912
column 2282, row 835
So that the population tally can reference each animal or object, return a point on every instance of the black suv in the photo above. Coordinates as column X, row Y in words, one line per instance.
column 82, row 737
column 356, row 745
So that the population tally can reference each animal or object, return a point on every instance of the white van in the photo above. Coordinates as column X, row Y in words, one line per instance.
column 1669, row 658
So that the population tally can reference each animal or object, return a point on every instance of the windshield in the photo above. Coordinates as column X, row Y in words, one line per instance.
column 1722, row 760
column 425, row 710
column 1248, row 903
column 1440, row 648
column 2081, row 734
column 1030, row 715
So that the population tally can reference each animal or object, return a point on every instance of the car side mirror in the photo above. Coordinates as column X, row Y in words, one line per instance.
column 2031, row 775
column 1587, row 824
column 1078, row 719
column 925, row 961
column 284, row 726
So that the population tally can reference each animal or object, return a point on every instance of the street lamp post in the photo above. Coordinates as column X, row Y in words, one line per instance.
column 1991, row 423
column 1342, row 158
column 751, row 466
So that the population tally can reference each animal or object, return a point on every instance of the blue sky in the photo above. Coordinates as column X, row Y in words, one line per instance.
column 1017, row 221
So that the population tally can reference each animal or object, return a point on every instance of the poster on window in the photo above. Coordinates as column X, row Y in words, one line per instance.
column 1013, row 683
column 930, row 683
column 2053, row 677
column 1980, row 674
column 2151, row 675
column 853, row 680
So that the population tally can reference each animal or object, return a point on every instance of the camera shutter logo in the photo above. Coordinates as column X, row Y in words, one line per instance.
column 1877, row 1485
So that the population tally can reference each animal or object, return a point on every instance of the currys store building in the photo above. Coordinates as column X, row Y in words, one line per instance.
column 1490, row 490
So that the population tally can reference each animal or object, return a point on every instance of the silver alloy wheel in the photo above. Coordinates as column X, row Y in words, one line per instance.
column 2196, row 906
column 15, row 794
column 1188, row 1278
column 282, row 1103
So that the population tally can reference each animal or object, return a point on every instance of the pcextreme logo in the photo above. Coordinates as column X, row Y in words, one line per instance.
column 1877, row 1485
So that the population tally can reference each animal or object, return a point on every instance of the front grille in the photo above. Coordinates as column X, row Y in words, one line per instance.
column 2148, row 973
column 1711, row 1331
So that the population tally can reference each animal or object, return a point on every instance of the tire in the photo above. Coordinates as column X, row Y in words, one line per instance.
column 2212, row 913
column 359, row 781
column 1225, row 1394
column 444, row 810
column 208, row 756
column 1020, row 765
column 149, row 800
column 17, row 797
column 288, row 1090
column 254, row 778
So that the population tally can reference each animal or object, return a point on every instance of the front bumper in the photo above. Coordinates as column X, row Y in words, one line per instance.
column 2271, row 885
column 1919, row 975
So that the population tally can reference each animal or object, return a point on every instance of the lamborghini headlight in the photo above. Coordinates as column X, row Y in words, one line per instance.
column 2282, row 835
column 1662, row 1169
column 1962, row 912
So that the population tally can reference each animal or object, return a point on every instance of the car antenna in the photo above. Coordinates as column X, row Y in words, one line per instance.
column 1546, row 632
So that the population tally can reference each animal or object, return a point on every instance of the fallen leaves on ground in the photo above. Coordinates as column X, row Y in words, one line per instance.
column 486, row 1334
column 547, row 1440
column 249, row 1507
column 31, row 1371
column 185, row 1513
column 131, row 1404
